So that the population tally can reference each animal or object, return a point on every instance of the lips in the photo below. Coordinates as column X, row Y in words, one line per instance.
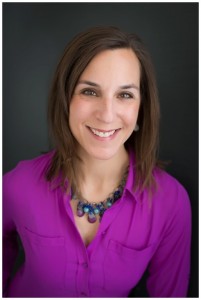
column 102, row 133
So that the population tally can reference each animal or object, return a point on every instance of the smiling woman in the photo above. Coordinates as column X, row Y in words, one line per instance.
column 87, row 47
column 99, row 199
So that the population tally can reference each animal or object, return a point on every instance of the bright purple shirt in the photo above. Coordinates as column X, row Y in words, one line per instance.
column 136, row 233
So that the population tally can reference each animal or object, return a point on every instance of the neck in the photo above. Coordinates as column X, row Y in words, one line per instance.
column 100, row 177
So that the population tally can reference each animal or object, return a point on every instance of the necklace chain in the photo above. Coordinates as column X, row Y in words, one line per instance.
column 93, row 209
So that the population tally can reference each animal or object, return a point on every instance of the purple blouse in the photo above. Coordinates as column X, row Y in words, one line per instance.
column 136, row 233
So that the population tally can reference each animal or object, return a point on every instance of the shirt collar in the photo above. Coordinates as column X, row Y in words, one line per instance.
column 131, row 177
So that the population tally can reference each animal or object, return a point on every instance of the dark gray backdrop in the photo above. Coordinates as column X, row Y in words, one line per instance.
column 34, row 37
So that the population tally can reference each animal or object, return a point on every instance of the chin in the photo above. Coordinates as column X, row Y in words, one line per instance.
column 103, row 154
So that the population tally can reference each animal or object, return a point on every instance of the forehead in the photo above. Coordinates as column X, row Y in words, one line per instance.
column 116, row 63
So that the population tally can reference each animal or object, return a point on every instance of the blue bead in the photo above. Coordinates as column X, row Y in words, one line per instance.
column 91, row 209
column 101, row 207
column 117, row 195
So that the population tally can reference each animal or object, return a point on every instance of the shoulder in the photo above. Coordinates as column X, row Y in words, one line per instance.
column 27, row 172
column 170, row 195
column 167, row 194
column 168, row 184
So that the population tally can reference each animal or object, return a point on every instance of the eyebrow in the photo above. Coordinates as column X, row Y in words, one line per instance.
column 123, row 87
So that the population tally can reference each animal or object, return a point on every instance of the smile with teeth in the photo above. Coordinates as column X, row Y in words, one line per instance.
column 101, row 133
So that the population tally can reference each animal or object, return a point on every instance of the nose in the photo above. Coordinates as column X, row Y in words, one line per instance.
column 105, row 110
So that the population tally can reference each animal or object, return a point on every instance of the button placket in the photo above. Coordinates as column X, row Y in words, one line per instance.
column 83, row 278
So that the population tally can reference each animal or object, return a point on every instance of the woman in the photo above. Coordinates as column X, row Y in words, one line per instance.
column 97, row 211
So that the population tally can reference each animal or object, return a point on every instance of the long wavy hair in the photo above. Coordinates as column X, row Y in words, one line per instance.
column 77, row 55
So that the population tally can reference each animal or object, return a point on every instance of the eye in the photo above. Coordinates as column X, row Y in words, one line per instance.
column 126, row 95
column 89, row 92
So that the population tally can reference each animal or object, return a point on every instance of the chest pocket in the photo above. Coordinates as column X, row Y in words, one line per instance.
column 123, row 266
column 45, row 261
column 40, row 240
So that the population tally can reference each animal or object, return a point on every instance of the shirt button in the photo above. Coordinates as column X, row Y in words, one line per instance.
column 85, row 265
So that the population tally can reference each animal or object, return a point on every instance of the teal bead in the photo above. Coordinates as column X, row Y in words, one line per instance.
column 86, row 209
column 96, row 211
column 109, row 204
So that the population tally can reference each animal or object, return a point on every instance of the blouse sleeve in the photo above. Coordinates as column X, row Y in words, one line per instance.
column 170, row 266
column 10, row 244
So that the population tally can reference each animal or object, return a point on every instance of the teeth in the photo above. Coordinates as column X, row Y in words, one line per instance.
column 102, row 134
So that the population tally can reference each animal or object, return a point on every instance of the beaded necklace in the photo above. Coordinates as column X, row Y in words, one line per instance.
column 93, row 209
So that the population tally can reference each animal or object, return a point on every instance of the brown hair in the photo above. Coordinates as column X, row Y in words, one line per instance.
column 77, row 55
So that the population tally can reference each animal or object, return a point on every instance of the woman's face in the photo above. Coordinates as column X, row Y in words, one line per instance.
column 105, row 103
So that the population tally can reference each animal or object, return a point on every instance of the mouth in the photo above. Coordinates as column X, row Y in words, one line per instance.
column 103, row 133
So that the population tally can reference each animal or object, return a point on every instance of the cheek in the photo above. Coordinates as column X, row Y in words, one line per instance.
column 75, row 111
column 79, row 113
column 132, row 115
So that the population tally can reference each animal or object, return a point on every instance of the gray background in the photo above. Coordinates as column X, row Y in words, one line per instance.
column 34, row 37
